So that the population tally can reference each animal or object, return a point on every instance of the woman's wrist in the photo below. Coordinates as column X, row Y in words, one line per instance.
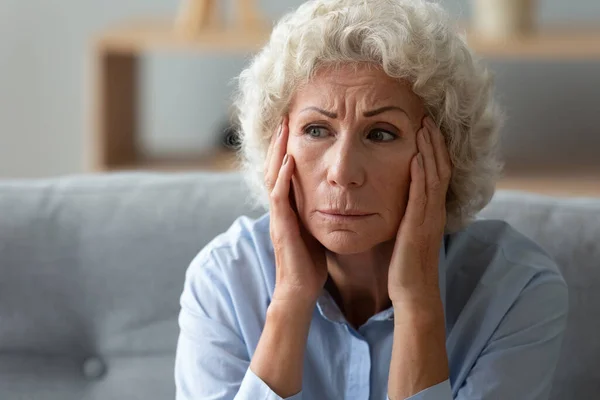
column 297, row 311
column 419, row 336
column 279, row 356
column 422, row 311
column 296, row 300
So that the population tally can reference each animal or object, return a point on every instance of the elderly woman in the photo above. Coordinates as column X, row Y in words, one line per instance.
column 369, row 129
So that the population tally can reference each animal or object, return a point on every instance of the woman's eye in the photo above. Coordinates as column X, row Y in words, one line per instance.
column 381, row 136
column 316, row 132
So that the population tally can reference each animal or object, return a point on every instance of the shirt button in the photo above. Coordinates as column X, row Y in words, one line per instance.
column 93, row 368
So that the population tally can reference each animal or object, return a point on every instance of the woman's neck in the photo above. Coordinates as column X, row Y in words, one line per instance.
column 359, row 282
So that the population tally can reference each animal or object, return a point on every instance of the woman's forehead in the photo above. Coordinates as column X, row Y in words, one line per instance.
column 364, row 90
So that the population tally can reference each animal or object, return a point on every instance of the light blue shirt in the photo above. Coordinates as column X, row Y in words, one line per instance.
column 505, row 305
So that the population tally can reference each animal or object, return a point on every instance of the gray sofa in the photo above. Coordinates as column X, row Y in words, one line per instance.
column 92, row 267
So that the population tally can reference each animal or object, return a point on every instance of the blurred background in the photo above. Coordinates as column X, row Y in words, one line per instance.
column 56, row 86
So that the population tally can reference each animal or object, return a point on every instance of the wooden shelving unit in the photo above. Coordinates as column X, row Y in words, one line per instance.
column 117, row 52
column 116, row 61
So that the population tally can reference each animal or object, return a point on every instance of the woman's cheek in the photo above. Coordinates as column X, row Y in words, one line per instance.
column 308, row 176
column 306, row 152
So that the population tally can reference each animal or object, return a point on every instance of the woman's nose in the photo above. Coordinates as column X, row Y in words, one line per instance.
column 345, row 165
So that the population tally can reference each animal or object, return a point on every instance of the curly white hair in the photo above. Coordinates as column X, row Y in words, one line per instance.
column 411, row 40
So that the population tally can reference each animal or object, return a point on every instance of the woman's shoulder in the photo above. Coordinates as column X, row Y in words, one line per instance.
column 497, row 249
column 506, row 302
column 244, row 231
column 240, row 259
column 490, row 257
column 490, row 266
column 227, row 284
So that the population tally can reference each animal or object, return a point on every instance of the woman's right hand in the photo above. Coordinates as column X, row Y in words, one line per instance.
column 301, row 273
column 301, row 270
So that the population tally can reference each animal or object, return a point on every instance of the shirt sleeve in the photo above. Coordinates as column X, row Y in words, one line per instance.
column 441, row 391
column 255, row 387
column 520, row 358
column 212, row 360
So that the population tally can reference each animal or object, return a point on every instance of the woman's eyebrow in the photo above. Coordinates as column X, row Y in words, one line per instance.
column 329, row 114
column 383, row 109
column 365, row 114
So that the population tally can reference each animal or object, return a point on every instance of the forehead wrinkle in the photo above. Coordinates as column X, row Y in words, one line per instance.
column 338, row 95
column 328, row 100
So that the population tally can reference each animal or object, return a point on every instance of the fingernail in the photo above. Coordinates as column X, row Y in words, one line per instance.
column 280, row 129
column 420, row 159
column 285, row 159
column 426, row 136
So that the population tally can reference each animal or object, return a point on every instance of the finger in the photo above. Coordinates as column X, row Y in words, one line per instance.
column 280, row 195
column 440, row 150
column 431, row 175
column 276, row 157
column 270, row 148
column 292, row 196
column 417, row 197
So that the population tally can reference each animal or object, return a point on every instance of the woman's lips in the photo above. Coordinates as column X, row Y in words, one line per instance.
column 347, row 217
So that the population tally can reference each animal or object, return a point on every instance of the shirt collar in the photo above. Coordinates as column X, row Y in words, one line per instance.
column 329, row 309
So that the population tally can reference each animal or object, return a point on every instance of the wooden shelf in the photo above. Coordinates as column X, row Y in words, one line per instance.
column 551, row 43
column 143, row 35
column 146, row 35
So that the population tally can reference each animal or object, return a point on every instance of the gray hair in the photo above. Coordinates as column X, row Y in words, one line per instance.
column 411, row 40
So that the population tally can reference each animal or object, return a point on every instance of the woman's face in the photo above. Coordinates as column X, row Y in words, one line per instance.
column 352, row 136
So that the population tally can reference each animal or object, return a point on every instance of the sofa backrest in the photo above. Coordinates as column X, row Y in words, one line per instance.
column 91, row 270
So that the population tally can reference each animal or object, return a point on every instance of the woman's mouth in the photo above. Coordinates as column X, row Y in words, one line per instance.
column 344, row 216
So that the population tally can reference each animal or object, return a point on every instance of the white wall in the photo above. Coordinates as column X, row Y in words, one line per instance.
column 44, row 92
column 43, row 58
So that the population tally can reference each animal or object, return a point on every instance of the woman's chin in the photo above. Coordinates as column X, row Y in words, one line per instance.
column 346, row 242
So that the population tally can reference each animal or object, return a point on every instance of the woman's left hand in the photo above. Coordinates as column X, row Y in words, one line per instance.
column 413, row 272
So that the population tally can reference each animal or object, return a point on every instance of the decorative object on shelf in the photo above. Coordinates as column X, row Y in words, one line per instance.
column 194, row 16
column 230, row 138
column 503, row 19
column 248, row 16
